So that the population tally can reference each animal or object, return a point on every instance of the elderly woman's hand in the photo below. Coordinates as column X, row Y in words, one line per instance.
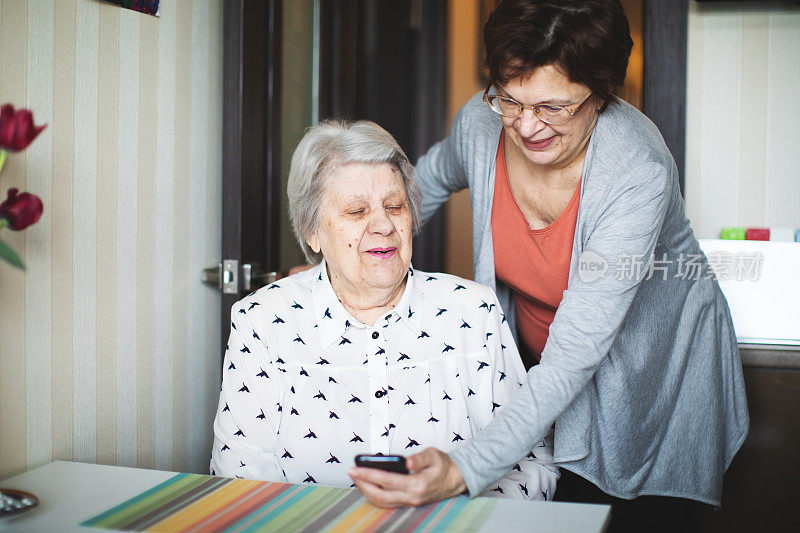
column 434, row 476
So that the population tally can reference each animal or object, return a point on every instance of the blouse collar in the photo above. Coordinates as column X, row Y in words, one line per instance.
column 333, row 319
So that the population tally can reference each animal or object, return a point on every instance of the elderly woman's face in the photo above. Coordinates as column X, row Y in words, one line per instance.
column 546, row 144
column 365, row 228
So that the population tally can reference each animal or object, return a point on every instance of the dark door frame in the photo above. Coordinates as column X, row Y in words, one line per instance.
column 250, row 138
column 232, row 104
column 665, row 34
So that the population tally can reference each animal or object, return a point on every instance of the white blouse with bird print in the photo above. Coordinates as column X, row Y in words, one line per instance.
column 306, row 387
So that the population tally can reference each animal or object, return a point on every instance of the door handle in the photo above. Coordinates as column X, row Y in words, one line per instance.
column 225, row 276
column 255, row 278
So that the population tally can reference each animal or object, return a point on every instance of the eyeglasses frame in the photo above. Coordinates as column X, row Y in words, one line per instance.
column 536, row 107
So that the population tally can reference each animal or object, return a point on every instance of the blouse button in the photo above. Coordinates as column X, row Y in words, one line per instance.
column 375, row 335
column 379, row 393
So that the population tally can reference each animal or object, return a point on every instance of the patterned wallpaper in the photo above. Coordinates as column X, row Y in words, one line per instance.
column 109, row 342
column 741, row 117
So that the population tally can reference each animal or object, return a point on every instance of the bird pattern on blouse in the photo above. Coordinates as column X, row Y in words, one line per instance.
column 306, row 387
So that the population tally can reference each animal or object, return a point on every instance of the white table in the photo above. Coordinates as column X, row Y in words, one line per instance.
column 70, row 493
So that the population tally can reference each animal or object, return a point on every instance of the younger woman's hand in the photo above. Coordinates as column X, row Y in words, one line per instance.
column 434, row 476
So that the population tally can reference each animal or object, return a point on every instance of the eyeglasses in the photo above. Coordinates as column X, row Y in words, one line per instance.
column 548, row 113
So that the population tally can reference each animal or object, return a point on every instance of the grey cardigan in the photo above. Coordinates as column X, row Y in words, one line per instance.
column 642, row 377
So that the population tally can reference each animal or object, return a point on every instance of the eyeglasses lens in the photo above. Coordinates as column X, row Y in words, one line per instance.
column 512, row 109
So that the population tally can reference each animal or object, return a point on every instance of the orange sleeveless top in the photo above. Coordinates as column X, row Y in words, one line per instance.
column 534, row 263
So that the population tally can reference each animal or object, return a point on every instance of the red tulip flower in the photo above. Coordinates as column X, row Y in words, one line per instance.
column 17, row 129
column 20, row 210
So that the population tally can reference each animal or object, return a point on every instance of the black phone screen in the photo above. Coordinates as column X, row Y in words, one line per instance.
column 392, row 463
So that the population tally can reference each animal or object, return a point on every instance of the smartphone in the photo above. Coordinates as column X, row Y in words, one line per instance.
column 391, row 463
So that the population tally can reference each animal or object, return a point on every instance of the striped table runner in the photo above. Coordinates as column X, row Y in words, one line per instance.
column 192, row 502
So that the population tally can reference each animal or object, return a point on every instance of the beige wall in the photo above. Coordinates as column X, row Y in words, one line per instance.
column 632, row 89
column 109, row 342
column 742, row 135
column 462, row 82
column 296, row 108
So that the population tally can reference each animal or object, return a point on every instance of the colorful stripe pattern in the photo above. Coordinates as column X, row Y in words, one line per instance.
column 192, row 502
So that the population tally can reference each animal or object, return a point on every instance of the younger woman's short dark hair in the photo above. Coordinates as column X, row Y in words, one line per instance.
column 589, row 40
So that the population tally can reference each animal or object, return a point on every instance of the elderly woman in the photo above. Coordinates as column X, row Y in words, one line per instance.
column 579, row 224
column 361, row 354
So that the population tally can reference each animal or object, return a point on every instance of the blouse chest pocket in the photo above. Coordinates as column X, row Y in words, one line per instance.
column 445, row 387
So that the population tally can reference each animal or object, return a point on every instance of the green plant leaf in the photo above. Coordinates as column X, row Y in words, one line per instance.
column 7, row 254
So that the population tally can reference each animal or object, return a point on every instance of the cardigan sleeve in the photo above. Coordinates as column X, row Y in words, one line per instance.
column 585, row 325
column 533, row 477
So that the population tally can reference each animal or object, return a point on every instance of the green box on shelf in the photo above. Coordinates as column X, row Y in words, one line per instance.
column 733, row 234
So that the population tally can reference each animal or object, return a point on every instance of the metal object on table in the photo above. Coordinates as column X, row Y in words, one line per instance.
column 15, row 502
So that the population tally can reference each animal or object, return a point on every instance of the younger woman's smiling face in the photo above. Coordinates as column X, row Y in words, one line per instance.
column 546, row 145
column 364, row 232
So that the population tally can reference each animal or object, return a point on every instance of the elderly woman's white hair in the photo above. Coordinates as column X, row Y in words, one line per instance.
column 324, row 149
